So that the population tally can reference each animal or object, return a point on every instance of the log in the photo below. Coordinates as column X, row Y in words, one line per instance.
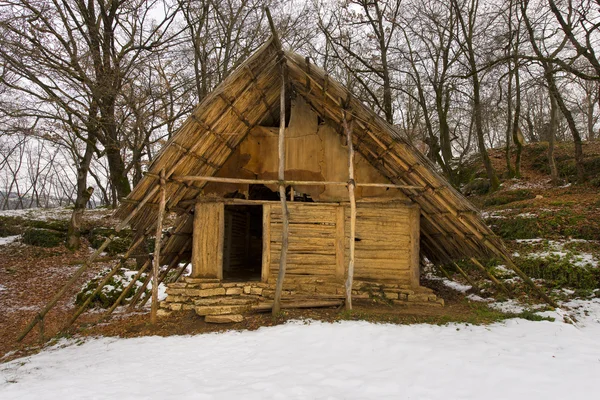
column 351, row 186
column 42, row 313
column 157, row 245
column 242, row 181
column 267, row 306
column 284, row 209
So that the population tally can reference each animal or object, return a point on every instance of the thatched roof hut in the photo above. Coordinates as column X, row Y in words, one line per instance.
column 451, row 227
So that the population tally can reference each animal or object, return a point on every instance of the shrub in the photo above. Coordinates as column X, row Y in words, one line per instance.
column 508, row 197
column 10, row 226
column 43, row 237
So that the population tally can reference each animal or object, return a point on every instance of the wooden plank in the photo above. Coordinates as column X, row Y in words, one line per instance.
column 340, row 270
column 207, row 249
column 415, row 249
column 266, row 251
column 157, row 244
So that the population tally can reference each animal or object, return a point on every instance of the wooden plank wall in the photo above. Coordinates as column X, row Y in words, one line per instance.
column 385, row 244
column 312, row 241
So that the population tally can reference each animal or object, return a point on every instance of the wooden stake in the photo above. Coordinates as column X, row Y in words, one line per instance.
column 351, row 187
column 157, row 244
column 492, row 277
column 181, row 271
column 42, row 313
column 464, row 274
column 284, row 208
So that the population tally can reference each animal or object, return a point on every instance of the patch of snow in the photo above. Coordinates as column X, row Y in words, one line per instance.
column 456, row 286
column 475, row 297
column 2, row 288
column 535, row 240
column 556, row 249
column 496, row 214
column 510, row 306
column 8, row 239
column 527, row 215
column 301, row 360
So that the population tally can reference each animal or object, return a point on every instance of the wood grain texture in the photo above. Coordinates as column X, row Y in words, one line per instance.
column 207, row 249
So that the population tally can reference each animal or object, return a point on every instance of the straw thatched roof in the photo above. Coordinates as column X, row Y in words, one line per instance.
column 451, row 227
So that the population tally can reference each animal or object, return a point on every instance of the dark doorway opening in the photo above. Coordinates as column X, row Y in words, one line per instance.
column 242, row 245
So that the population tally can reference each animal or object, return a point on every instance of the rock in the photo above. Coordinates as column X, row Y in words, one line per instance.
column 418, row 297
column 219, row 310
column 229, row 301
column 211, row 292
column 432, row 297
column 176, row 299
column 209, row 285
column 539, row 196
column 177, row 285
column 200, row 280
column 161, row 313
column 391, row 295
column 224, row 319
column 247, row 289
column 176, row 306
column 233, row 291
column 256, row 290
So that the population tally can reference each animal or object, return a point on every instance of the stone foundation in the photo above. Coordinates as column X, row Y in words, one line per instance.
column 210, row 297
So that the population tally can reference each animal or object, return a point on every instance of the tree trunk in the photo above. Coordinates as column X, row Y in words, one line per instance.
column 551, row 138
column 570, row 121
column 510, row 172
column 517, row 140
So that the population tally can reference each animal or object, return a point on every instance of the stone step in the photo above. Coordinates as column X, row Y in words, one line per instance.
column 220, row 310
column 230, row 301
column 224, row 319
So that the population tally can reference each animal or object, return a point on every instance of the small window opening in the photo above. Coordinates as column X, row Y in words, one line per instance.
column 242, row 245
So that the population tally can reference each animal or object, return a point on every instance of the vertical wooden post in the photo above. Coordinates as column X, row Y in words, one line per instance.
column 284, row 208
column 351, row 187
column 157, row 243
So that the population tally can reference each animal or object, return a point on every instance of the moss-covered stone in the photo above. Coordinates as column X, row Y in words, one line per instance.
column 508, row 197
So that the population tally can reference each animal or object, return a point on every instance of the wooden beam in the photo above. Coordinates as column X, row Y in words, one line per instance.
column 284, row 208
column 157, row 244
column 273, row 29
column 184, row 178
column 351, row 186
column 489, row 275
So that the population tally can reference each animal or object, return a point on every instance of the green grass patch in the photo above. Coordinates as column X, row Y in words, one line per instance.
column 559, row 272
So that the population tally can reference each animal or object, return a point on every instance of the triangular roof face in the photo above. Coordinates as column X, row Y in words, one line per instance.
column 451, row 228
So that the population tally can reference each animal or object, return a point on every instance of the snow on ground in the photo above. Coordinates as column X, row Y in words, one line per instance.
column 56, row 213
column 517, row 359
column 556, row 248
column 2, row 288
column 456, row 286
column 8, row 239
